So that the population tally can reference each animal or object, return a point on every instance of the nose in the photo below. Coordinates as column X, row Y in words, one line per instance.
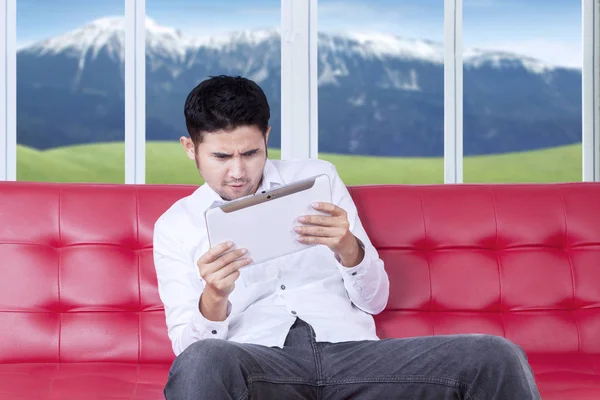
column 237, row 169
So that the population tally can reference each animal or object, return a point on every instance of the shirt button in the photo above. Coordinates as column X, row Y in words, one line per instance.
column 354, row 273
column 282, row 287
column 214, row 332
column 294, row 312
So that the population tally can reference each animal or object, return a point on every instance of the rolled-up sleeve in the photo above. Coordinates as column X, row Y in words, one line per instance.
column 367, row 283
column 180, row 289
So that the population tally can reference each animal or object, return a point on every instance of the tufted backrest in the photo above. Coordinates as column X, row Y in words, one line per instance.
column 77, row 280
column 77, row 274
column 519, row 261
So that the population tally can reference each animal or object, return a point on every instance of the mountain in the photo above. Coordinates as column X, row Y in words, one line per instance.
column 378, row 94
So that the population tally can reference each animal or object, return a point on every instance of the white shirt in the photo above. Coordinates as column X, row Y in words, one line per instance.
column 312, row 284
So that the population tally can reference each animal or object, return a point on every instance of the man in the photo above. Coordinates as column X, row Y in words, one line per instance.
column 300, row 326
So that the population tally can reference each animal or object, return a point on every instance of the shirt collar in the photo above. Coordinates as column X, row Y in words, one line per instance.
column 271, row 179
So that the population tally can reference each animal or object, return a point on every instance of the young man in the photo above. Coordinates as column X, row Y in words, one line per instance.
column 300, row 326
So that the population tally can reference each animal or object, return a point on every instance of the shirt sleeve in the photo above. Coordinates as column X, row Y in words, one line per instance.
column 367, row 283
column 180, row 288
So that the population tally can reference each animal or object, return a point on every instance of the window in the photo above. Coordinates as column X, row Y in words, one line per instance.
column 380, row 80
column 188, row 41
column 70, row 92
column 381, row 90
column 522, row 91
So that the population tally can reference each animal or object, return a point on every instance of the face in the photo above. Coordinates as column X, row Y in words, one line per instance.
column 231, row 162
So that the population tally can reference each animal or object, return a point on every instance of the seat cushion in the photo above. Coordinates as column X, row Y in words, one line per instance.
column 559, row 376
column 76, row 381
column 567, row 376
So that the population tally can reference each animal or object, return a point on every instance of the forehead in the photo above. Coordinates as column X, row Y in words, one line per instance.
column 237, row 139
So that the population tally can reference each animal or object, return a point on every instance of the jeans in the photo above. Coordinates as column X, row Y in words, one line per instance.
column 470, row 367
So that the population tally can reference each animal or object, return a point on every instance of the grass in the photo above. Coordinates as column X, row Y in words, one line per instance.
column 167, row 163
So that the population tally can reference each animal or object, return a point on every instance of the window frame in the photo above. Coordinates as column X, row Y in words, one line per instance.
column 8, row 90
column 135, row 91
column 299, row 89
column 591, row 91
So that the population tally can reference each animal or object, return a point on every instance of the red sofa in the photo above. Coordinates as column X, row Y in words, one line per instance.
column 80, row 317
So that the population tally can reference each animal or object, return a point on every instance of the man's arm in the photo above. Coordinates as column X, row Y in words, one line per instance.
column 180, row 288
column 365, row 279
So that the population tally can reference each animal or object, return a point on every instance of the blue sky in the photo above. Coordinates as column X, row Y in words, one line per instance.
column 549, row 30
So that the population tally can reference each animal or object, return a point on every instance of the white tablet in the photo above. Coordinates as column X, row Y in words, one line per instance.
column 264, row 222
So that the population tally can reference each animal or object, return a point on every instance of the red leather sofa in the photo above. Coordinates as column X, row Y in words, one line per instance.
column 80, row 317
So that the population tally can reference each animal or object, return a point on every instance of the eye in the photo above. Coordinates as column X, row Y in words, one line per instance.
column 251, row 153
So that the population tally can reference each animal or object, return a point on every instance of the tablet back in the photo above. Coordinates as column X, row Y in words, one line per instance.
column 264, row 223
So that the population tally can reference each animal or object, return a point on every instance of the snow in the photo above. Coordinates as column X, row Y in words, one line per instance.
column 385, row 45
column 166, row 45
column 477, row 58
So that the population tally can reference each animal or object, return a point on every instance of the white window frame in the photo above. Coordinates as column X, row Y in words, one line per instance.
column 453, row 92
column 135, row 91
column 591, row 91
column 8, row 90
column 299, row 100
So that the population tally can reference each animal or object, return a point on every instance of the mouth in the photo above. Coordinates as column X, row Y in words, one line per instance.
column 237, row 185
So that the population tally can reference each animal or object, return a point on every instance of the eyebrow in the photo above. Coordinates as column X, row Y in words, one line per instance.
column 246, row 153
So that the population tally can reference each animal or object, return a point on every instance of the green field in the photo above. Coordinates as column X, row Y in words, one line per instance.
column 167, row 163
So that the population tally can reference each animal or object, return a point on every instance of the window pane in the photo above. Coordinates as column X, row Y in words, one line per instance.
column 381, row 90
column 522, row 91
column 70, row 91
column 186, row 42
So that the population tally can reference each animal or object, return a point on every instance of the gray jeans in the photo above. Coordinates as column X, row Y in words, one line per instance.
column 481, row 367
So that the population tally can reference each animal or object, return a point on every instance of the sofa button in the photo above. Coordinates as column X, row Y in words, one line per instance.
column 294, row 312
column 282, row 287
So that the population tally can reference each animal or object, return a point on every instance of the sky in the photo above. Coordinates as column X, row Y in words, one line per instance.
column 549, row 30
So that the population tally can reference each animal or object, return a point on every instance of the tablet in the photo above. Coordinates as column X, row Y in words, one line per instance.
column 263, row 223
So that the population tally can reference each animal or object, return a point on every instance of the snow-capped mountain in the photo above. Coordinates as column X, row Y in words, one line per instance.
column 164, row 43
column 378, row 94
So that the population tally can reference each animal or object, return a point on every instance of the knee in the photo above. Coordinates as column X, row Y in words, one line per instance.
column 209, row 368
column 204, row 357
column 498, row 351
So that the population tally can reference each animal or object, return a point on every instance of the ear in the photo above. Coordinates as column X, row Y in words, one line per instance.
column 267, row 136
column 188, row 146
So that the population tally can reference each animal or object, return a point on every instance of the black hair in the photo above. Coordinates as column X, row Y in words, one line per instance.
column 225, row 103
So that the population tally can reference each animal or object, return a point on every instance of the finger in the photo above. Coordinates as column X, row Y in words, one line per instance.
column 214, row 253
column 228, row 258
column 231, row 278
column 322, row 220
column 318, row 231
column 221, row 283
column 231, row 268
column 315, row 240
column 329, row 208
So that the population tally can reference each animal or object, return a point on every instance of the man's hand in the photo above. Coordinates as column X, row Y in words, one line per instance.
column 219, row 271
column 333, row 231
